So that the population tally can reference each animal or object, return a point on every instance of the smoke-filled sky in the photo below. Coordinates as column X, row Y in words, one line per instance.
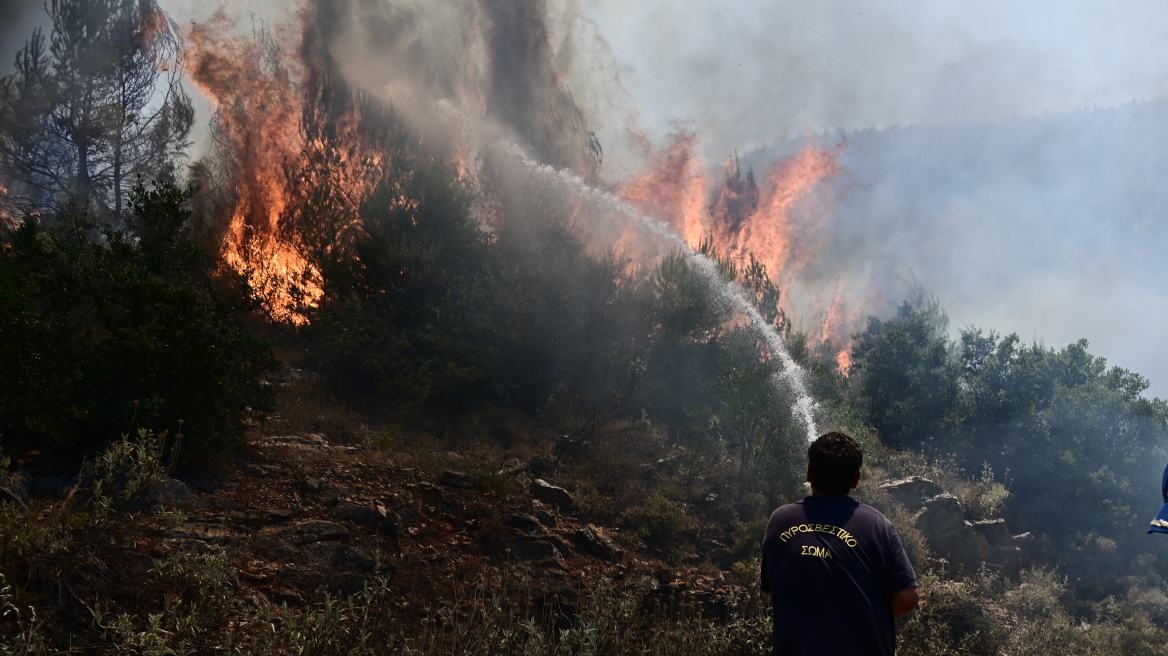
column 999, row 189
column 985, row 176
column 747, row 72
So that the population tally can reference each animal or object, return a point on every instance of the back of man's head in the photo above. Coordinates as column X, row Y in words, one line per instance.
column 834, row 460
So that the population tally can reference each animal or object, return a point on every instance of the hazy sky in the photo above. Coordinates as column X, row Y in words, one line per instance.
column 1020, row 210
column 757, row 70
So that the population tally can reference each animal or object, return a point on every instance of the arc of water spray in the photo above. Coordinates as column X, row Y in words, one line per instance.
column 791, row 374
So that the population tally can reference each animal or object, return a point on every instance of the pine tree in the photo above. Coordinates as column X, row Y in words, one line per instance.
column 92, row 110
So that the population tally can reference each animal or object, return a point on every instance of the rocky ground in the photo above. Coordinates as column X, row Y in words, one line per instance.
column 302, row 518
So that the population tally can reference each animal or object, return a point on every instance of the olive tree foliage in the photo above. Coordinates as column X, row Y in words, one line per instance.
column 92, row 109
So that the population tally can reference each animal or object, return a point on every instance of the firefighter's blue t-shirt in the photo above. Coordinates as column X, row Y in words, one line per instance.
column 832, row 565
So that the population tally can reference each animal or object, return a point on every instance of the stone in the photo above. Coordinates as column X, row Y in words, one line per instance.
column 353, row 512
column 529, row 548
column 456, row 479
column 940, row 515
column 593, row 541
column 309, row 441
column 544, row 517
column 253, row 470
column 337, row 556
column 315, row 485
column 912, row 492
column 960, row 548
column 995, row 531
column 558, row 496
column 280, row 515
column 986, row 551
column 318, row 531
column 1011, row 558
column 524, row 522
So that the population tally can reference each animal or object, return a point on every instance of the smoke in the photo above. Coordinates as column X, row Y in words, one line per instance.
column 18, row 18
column 970, row 161
column 1047, row 226
column 1018, row 220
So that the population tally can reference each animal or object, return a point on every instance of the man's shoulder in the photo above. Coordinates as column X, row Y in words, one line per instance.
column 796, row 509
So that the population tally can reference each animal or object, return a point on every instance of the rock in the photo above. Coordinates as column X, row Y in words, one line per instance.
column 912, row 492
column 280, row 515
column 524, row 522
column 213, row 534
column 558, row 496
column 986, row 551
column 592, row 541
column 197, row 546
column 542, row 514
column 940, row 515
column 456, row 479
column 995, row 532
column 960, row 548
column 169, row 495
column 529, row 548
column 314, row 485
column 306, row 441
column 318, row 531
column 1011, row 558
column 337, row 556
column 353, row 512
column 253, row 470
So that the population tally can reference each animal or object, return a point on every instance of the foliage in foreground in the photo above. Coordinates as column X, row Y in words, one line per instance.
column 101, row 328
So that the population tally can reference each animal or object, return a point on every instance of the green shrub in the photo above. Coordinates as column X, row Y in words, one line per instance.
column 100, row 329
column 659, row 521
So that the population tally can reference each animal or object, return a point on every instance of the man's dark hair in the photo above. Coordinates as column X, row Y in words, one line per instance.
column 834, row 459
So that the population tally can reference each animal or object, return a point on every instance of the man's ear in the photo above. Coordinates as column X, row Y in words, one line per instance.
column 855, row 480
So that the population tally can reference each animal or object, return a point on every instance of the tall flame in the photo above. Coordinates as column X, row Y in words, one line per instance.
column 778, row 219
column 279, row 145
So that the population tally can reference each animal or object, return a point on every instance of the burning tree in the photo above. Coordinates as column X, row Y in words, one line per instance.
column 96, row 109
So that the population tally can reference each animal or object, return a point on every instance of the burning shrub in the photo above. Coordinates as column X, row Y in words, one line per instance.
column 103, row 328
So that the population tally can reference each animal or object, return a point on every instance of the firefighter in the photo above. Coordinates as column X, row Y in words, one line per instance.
column 836, row 568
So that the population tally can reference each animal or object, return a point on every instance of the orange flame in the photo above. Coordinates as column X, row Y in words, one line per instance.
column 278, row 153
column 779, row 220
column 774, row 232
column 673, row 189
column 839, row 321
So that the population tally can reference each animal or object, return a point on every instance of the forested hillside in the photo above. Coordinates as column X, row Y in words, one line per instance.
column 443, row 434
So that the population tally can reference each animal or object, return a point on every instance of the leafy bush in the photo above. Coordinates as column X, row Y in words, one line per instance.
column 103, row 328
column 658, row 521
